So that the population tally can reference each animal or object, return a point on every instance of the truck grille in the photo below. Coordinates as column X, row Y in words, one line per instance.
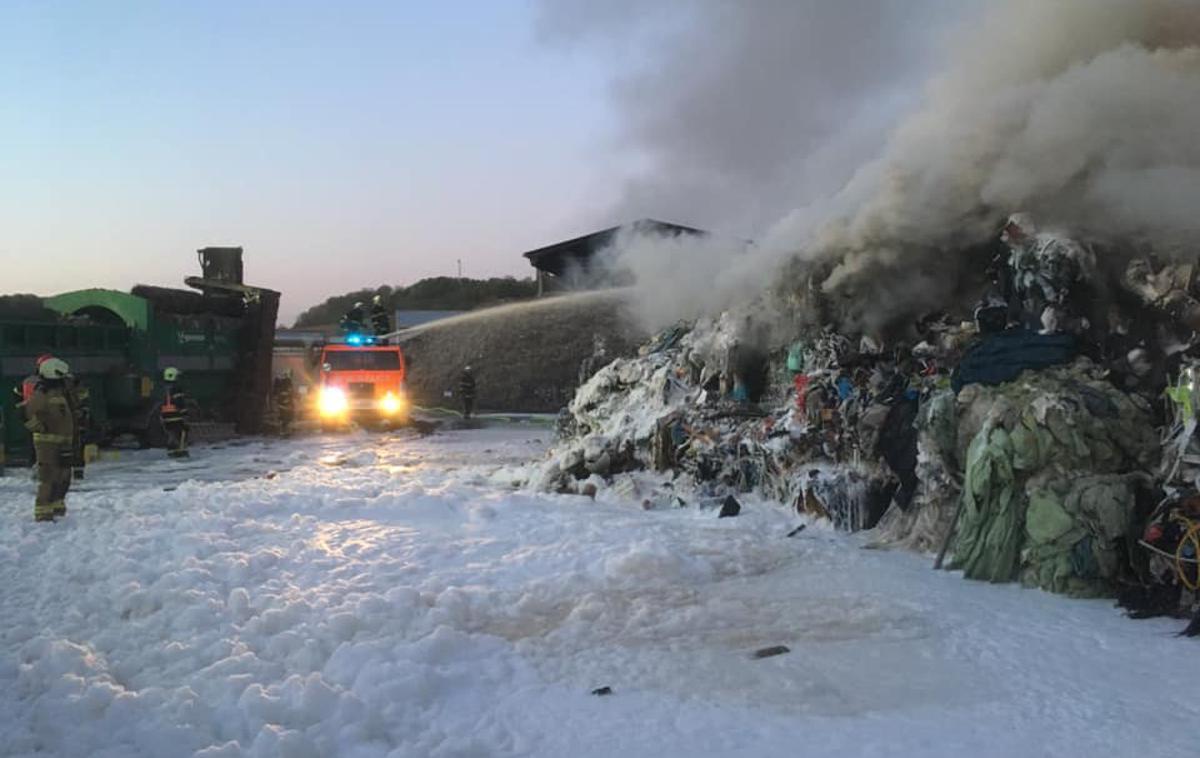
column 361, row 390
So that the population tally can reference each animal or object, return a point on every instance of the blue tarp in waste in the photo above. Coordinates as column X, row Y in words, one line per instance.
column 1002, row 357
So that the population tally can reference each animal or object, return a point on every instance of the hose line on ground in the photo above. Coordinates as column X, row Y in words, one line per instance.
column 1192, row 535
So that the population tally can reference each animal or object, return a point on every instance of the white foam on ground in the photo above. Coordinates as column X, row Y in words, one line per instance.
column 391, row 596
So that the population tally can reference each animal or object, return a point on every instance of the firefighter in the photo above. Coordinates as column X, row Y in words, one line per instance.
column 50, row 416
column 352, row 322
column 173, row 414
column 381, row 322
column 284, row 395
column 466, row 391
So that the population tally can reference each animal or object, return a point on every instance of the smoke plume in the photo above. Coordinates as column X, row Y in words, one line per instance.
column 1082, row 112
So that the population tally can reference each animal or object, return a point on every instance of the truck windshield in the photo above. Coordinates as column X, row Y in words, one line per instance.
column 366, row 360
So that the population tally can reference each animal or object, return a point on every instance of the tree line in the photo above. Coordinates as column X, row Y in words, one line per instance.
column 25, row 308
column 439, row 293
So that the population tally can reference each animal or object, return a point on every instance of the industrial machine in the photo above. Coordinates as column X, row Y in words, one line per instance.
column 219, row 334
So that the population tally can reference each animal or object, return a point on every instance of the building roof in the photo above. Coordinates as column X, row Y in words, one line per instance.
column 557, row 258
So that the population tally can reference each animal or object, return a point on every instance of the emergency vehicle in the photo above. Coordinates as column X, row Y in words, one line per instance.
column 361, row 382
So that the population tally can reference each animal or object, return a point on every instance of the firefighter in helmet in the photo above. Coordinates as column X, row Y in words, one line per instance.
column 466, row 391
column 283, row 393
column 352, row 322
column 173, row 414
column 381, row 322
column 50, row 416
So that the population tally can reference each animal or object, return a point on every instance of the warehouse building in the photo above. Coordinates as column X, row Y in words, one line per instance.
column 574, row 264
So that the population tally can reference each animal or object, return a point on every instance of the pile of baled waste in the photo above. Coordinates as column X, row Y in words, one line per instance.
column 1024, row 441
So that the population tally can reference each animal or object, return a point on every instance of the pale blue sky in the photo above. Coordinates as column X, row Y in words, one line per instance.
column 343, row 144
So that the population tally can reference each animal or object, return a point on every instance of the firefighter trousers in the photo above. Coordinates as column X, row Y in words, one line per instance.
column 285, row 421
column 177, row 437
column 54, row 479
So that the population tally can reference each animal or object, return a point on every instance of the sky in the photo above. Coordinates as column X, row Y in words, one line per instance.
column 344, row 145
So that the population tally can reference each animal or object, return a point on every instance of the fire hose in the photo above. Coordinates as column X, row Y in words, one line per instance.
column 1192, row 535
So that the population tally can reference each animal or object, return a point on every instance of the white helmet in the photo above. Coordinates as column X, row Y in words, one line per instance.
column 170, row 374
column 53, row 368
column 378, row 300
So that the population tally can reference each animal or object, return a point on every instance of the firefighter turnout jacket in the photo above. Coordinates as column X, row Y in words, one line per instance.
column 50, row 415
column 174, row 406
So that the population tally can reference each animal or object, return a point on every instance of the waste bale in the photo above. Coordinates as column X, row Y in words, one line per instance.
column 897, row 445
column 1049, row 275
column 924, row 526
column 1165, row 287
column 1181, row 447
column 1172, row 539
column 1169, row 543
column 1073, row 528
column 1000, row 358
column 989, row 537
column 1035, row 436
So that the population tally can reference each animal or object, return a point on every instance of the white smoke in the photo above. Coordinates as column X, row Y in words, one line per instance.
column 1083, row 112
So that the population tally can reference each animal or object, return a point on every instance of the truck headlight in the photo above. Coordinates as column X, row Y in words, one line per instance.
column 391, row 404
column 332, row 402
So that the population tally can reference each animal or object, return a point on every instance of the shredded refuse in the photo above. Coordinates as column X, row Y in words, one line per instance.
column 1034, row 439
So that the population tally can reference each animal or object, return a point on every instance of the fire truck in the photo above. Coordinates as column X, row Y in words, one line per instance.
column 362, row 383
